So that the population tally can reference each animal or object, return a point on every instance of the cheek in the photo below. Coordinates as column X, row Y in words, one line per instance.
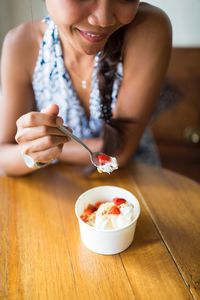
column 126, row 19
column 63, row 11
column 126, row 16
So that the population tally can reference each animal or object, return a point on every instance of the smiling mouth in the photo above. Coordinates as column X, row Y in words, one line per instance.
column 92, row 36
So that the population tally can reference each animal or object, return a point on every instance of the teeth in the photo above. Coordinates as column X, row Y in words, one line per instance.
column 92, row 35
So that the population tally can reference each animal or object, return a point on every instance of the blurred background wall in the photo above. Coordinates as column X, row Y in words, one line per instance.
column 185, row 18
column 177, row 130
column 14, row 12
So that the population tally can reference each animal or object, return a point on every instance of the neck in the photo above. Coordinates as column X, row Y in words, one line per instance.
column 74, row 57
column 78, row 64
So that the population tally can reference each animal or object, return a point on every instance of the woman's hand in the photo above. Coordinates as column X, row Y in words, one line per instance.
column 39, row 136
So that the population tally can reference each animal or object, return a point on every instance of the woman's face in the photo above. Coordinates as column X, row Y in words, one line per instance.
column 87, row 24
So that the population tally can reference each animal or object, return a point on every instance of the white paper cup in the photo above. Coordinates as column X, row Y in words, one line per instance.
column 106, row 241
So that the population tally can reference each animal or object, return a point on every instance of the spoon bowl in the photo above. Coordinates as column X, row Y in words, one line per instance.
column 101, row 161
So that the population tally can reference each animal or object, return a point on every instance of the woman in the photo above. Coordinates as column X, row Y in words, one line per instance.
column 97, row 66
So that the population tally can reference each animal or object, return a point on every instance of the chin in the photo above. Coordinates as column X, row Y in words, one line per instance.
column 92, row 50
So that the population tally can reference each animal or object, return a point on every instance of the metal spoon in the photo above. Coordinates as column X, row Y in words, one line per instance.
column 93, row 155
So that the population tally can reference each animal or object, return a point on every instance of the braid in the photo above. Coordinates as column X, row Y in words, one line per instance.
column 107, row 70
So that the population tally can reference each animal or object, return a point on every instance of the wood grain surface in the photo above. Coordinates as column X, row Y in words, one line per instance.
column 42, row 256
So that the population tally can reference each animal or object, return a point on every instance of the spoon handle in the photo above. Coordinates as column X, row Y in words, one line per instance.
column 74, row 137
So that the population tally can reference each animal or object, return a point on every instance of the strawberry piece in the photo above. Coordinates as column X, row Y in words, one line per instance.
column 103, row 159
column 84, row 218
column 88, row 211
column 114, row 210
column 91, row 207
column 98, row 203
column 118, row 201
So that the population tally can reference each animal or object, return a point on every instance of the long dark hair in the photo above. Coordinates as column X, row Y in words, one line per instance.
column 109, row 59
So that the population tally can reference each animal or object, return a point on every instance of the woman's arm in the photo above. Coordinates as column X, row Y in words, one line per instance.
column 147, row 50
column 16, row 99
column 74, row 153
column 37, row 134
column 19, row 54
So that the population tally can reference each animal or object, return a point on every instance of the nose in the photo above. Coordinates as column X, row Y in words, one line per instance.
column 102, row 15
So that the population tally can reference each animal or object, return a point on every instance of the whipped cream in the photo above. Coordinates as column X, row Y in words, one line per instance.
column 108, row 166
column 103, row 218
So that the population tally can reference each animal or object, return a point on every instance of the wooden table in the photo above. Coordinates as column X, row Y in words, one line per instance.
column 42, row 257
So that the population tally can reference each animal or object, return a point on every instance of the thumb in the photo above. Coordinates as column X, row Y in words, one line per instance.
column 52, row 109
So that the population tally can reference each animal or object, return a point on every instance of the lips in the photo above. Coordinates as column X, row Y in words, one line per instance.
column 93, row 37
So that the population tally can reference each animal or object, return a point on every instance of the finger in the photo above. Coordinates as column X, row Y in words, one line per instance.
column 68, row 128
column 42, row 144
column 33, row 119
column 29, row 134
column 48, row 154
column 52, row 109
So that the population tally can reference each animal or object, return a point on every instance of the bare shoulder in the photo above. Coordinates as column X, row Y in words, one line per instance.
column 152, row 15
column 148, row 42
column 24, row 36
column 146, row 55
column 21, row 44
column 151, row 25
column 150, row 11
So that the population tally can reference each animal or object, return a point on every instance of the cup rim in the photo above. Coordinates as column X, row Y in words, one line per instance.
column 107, row 230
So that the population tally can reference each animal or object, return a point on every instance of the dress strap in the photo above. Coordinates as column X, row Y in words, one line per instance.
column 48, row 21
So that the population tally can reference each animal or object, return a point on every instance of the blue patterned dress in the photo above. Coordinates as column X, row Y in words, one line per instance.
column 52, row 84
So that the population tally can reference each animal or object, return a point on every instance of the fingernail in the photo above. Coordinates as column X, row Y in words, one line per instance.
column 59, row 121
